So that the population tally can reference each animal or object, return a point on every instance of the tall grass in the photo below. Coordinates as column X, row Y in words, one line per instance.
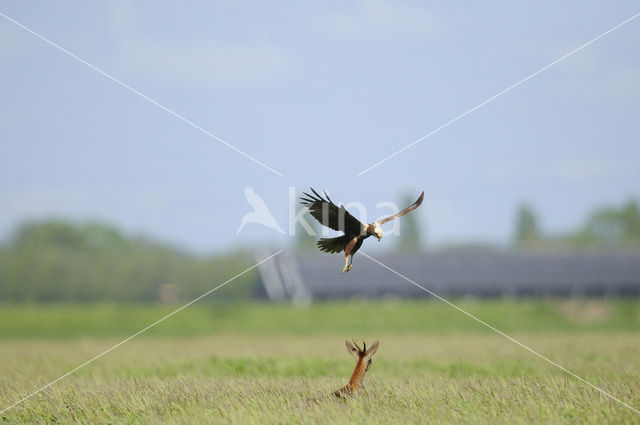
column 275, row 364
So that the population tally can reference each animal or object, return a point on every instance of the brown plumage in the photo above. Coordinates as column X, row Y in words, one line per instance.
column 338, row 218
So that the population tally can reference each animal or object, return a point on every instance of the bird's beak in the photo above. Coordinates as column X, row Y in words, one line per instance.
column 379, row 238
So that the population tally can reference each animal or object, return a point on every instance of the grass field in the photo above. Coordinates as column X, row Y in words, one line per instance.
column 254, row 363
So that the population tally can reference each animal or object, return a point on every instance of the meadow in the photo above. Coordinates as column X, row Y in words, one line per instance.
column 243, row 363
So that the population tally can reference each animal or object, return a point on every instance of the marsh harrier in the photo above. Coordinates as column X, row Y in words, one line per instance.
column 338, row 218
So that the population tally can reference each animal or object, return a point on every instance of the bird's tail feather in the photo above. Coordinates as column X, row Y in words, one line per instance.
column 333, row 245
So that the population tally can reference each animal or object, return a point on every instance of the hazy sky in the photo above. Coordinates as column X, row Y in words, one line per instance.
column 318, row 93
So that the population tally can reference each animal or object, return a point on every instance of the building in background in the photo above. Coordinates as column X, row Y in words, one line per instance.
column 458, row 274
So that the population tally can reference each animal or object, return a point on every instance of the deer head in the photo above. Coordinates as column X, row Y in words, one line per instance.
column 363, row 363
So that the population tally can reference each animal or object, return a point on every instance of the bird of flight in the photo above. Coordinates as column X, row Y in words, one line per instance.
column 338, row 218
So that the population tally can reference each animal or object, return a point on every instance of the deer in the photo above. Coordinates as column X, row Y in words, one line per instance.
column 363, row 363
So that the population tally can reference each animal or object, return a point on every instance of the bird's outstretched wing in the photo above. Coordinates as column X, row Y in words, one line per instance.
column 404, row 211
column 331, row 215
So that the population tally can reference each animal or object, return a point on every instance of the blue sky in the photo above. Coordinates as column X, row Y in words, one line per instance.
column 319, row 93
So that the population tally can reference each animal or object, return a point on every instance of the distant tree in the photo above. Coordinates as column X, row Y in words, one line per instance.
column 62, row 261
column 410, row 237
column 611, row 226
column 603, row 227
column 631, row 219
column 526, row 230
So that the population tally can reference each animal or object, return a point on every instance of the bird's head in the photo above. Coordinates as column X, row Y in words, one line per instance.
column 377, row 232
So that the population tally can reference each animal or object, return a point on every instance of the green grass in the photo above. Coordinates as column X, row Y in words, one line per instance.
column 267, row 364
column 343, row 317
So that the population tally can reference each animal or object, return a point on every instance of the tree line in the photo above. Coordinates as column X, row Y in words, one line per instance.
column 61, row 261
column 606, row 227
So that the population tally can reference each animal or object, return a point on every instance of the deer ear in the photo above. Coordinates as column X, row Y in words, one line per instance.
column 372, row 350
column 351, row 349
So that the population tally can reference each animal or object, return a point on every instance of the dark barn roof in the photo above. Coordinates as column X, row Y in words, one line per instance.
column 509, row 273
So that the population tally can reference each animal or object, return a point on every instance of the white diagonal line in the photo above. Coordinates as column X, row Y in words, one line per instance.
column 137, row 333
column 531, row 350
column 142, row 95
column 480, row 105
